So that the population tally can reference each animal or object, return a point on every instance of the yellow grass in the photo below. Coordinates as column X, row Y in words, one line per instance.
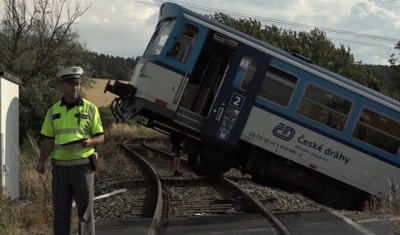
column 96, row 94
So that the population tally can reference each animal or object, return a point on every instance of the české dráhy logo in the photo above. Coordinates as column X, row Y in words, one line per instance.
column 283, row 132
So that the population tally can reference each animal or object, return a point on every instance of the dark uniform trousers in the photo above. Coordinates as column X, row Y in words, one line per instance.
column 73, row 183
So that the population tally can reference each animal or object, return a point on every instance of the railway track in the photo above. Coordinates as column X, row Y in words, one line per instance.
column 190, row 195
column 141, row 187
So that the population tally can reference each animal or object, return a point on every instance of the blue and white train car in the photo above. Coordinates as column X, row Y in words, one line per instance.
column 241, row 103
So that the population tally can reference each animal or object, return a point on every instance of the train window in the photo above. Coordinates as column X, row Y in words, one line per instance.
column 159, row 37
column 324, row 107
column 277, row 86
column 377, row 130
column 185, row 43
column 244, row 73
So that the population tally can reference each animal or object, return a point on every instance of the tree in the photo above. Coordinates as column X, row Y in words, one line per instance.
column 110, row 67
column 395, row 71
column 37, row 39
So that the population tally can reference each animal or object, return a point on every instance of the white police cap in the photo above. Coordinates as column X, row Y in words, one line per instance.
column 70, row 74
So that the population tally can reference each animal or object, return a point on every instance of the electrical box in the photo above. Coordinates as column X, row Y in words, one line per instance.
column 9, row 133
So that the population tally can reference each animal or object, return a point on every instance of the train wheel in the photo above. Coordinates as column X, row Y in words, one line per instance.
column 206, row 160
column 201, row 165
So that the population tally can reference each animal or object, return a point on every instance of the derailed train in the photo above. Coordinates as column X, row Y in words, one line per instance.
column 241, row 103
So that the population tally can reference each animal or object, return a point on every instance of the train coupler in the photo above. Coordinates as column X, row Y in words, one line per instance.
column 121, row 89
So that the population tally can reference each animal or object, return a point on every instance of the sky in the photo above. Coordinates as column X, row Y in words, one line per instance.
column 369, row 27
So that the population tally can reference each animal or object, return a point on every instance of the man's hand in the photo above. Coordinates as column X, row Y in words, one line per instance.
column 45, row 151
column 95, row 140
column 86, row 142
column 40, row 167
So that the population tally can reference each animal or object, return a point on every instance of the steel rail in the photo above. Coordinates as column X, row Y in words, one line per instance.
column 157, row 215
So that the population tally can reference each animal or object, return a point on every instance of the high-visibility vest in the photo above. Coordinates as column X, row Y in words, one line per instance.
column 81, row 121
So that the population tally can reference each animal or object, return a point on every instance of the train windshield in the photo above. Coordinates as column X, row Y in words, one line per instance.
column 160, row 36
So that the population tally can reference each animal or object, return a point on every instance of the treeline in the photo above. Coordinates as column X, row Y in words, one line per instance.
column 111, row 67
column 383, row 72
column 388, row 75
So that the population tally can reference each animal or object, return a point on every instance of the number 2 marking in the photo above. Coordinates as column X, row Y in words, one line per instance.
column 237, row 101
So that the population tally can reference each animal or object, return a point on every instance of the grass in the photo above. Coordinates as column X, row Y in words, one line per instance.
column 385, row 204
column 9, row 216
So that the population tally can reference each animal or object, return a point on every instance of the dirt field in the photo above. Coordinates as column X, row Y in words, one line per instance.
column 97, row 96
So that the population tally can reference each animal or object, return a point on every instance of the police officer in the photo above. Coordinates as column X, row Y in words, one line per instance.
column 71, row 130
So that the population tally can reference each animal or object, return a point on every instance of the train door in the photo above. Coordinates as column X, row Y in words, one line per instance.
column 205, row 80
column 231, row 108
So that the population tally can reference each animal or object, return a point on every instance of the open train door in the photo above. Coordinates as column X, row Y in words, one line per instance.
column 236, row 96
